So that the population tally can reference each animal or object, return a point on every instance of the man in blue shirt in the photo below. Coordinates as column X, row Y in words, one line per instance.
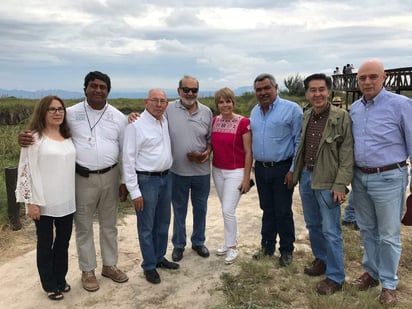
column 382, row 134
column 276, row 124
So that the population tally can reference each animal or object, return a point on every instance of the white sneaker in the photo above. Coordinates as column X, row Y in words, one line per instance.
column 231, row 256
column 221, row 251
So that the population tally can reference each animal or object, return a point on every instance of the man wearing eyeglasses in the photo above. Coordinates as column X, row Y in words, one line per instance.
column 147, row 158
column 190, row 127
column 382, row 133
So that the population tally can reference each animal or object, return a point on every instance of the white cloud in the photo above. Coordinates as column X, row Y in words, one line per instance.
column 145, row 44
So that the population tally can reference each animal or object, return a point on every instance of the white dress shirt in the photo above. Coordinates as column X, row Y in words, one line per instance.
column 146, row 148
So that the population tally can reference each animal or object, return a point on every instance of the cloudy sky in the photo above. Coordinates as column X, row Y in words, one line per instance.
column 52, row 44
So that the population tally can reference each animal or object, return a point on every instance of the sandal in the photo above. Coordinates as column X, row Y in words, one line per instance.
column 66, row 289
column 55, row 295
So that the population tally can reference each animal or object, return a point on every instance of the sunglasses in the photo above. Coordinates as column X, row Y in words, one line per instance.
column 187, row 89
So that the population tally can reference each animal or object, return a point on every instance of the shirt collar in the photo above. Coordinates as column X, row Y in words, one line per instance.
column 376, row 98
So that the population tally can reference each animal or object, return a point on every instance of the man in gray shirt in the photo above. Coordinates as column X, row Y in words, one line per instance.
column 189, row 127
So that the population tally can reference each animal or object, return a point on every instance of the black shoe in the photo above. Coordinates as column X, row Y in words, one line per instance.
column 285, row 259
column 260, row 254
column 152, row 276
column 356, row 226
column 167, row 264
column 201, row 250
column 177, row 254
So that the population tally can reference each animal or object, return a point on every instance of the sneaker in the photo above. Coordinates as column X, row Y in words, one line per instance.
column 222, row 251
column 231, row 256
column 114, row 273
column 89, row 281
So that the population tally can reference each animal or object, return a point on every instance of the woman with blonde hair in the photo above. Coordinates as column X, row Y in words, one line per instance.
column 232, row 164
column 45, row 183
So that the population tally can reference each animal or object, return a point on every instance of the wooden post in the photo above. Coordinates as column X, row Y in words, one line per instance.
column 13, row 209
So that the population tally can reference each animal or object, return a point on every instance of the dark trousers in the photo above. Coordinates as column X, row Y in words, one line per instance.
column 276, row 202
column 52, row 252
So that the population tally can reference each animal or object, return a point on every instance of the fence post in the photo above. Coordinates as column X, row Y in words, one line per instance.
column 13, row 209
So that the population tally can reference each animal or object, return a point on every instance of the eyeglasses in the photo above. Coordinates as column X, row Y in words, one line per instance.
column 54, row 110
column 162, row 101
column 187, row 89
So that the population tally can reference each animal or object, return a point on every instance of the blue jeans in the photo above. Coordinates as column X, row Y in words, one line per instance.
column 322, row 217
column 275, row 200
column 350, row 210
column 379, row 200
column 153, row 221
column 199, row 188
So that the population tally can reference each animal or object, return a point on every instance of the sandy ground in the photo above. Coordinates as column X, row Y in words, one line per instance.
column 194, row 285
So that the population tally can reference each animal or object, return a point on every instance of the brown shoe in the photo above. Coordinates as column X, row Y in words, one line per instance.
column 89, row 281
column 365, row 282
column 114, row 273
column 327, row 286
column 317, row 268
column 388, row 297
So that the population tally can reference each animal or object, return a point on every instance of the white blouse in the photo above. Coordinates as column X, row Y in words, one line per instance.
column 46, row 176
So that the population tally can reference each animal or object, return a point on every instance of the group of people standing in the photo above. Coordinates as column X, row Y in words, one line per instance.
column 165, row 155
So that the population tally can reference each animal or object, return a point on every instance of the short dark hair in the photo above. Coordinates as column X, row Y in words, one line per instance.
column 91, row 76
column 264, row 76
column 318, row 76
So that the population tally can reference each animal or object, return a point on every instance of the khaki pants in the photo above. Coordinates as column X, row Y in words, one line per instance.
column 97, row 193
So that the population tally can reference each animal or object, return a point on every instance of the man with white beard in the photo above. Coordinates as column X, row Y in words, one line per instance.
column 190, row 128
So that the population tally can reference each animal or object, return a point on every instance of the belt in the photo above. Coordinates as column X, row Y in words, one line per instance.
column 272, row 164
column 373, row 170
column 309, row 167
column 103, row 170
column 84, row 171
column 161, row 174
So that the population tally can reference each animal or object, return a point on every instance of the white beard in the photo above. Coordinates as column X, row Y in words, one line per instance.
column 188, row 102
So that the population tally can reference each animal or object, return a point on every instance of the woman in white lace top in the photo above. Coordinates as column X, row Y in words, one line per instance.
column 45, row 184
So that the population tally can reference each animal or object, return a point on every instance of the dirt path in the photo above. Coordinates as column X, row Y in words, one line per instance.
column 192, row 286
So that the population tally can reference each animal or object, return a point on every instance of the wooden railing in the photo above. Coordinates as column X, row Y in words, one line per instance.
column 397, row 80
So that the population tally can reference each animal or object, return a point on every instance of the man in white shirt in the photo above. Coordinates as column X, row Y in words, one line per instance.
column 147, row 158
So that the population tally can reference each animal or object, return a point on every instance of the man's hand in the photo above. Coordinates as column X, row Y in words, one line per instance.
column 289, row 180
column 123, row 192
column 133, row 117
column 26, row 138
column 138, row 203
column 198, row 157
column 338, row 197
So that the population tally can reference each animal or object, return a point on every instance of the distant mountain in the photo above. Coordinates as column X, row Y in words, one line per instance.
column 23, row 94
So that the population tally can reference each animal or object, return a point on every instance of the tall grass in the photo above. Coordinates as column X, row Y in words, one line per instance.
column 9, row 154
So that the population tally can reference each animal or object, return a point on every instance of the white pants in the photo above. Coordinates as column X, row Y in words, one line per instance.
column 226, row 184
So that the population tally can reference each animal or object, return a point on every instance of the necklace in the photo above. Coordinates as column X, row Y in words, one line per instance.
column 95, row 124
